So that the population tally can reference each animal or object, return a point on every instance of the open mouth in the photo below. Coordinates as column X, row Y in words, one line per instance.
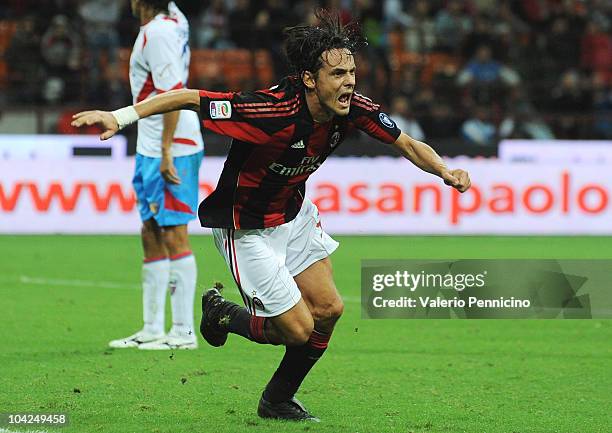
column 345, row 99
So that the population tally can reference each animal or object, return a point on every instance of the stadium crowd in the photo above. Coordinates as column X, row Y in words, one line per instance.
column 477, row 69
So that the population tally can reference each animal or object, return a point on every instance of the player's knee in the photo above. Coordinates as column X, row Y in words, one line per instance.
column 299, row 333
column 330, row 311
column 337, row 309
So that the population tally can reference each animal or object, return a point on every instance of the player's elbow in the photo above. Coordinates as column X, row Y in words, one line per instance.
column 182, row 99
column 192, row 99
column 405, row 146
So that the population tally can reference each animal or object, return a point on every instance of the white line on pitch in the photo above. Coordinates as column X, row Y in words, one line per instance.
column 76, row 283
column 3, row 430
column 24, row 279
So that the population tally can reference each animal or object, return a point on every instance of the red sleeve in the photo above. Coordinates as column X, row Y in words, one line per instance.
column 221, row 113
column 366, row 116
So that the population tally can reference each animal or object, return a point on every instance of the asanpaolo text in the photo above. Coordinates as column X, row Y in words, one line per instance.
column 561, row 196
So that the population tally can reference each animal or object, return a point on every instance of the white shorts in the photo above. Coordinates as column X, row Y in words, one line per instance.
column 264, row 261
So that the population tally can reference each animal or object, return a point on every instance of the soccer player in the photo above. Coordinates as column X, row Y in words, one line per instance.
column 169, row 153
column 268, row 232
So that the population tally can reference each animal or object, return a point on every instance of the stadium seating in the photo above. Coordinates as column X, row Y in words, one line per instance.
column 236, row 67
column 7, row 30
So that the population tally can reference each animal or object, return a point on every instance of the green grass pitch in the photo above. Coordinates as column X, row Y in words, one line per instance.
column 64, row 297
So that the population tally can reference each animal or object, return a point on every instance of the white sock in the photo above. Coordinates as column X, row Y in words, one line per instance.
column 183, row 275
column 155, row 276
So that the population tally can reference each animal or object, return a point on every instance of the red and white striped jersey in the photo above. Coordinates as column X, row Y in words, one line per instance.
column 160, row 62
column 276, row 146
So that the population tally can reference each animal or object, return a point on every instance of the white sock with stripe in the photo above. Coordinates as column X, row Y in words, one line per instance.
column 155, row 277
column 183, row 276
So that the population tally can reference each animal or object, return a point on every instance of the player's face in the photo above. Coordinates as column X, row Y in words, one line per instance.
column 335, row 81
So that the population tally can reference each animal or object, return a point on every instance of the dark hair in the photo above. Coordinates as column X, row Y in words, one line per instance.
column 158, row 5
column 305, row 44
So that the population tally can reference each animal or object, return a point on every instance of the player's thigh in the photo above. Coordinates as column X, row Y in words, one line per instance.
column 294, row 325
column 318, row 289
column 256, row 260
column 308, row 261
column 176, row 239
column 149, row 186
column 140, row 183
column 308, row 242
column 179, row 203
column 151, row 228
column 152, row 242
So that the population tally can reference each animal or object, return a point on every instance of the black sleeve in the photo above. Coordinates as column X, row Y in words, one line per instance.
column 219, row 112
column 254, row 117
column 366, row 116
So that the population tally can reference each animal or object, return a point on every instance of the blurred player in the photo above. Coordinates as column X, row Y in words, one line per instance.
column 269, row 234
column 169, row 153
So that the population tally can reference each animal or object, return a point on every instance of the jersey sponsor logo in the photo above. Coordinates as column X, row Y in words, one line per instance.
column 335, row 139
column 386, row 120
column 298, row 145
column 258, row 304
column 309, row 164
column 220, row 110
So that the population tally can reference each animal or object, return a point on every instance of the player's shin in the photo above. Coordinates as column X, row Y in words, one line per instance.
column 294, row 367
column 183, row 276
column 155, row 276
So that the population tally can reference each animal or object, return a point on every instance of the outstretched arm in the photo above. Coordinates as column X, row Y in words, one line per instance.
column 424, row 157
column 112, row 122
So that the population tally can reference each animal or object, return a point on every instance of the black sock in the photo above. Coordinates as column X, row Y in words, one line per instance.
column 294, row 367
column 241, row 322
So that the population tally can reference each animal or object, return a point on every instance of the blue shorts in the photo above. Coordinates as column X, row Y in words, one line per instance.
column 169, row 204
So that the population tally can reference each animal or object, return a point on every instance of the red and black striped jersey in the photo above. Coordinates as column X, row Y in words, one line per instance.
column 276, row 146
